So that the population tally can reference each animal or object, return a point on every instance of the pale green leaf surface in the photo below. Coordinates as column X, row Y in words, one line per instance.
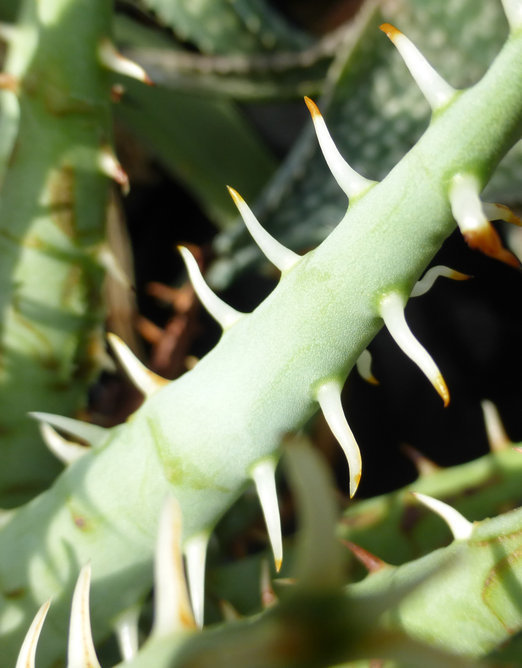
column 228, row 26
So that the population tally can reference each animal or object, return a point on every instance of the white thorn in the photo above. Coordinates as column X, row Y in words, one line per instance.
column 195, row 555
column 110, row 263
column 172, row 610
column 144, row 379
column 91, row 433
column 513, row 10
column 80, row 650
column 391, row 309
column 350, row 181
column 472, row 220
column 364, row 367
column 224, row 314
column 110, row 166
column 114, row 61
column 497, row 438
column 263, row 475
column 268, row 597
column 280, row 256
column 458, row 524
column 424, row 466
column 66, row 451
column 494, row 211
column 329, row 398
column 126, row 630
column 429, row 278
column 286, row 582
column 514, row 239
column 466, row 206
column 435, row 89
column 28, row 649
column 229, row 613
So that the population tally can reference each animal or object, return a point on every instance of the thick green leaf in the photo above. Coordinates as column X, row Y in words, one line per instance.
column 221, row 26
column 205, row 141
column 227, row 149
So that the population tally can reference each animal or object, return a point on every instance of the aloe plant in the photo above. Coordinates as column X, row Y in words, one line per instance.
column 53, row 209
column 320, row 620
column 271, row 370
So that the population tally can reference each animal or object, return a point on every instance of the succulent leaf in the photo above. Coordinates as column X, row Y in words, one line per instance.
column 206, row 435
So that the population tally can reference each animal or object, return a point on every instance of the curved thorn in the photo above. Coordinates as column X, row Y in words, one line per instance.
column 350, row 181
column 468, row 211
column 457, row 523
column 329, row 398
column 488, row 241
column 126, row 630
column 372, row 563
column 114, row 61
column 513, row 11
column 497, row 438
column 172, row 610
column 90, row 433
column 364, row 367
column 466, row 206
column 195, row 555
column 280, row 256
column 80, row 650
column 424, row 466
column 143, row 378
column 514, row 239
column 426, row 282
column 224, row 314
column 228, row 612
column 66, row 451
column 435, row 89
column 268, row 596
column 286, row 582
column 494, row 211
column 263, row 475
column 391, row 309
column 112, row 266
column 110, row 166
column 28, row 649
